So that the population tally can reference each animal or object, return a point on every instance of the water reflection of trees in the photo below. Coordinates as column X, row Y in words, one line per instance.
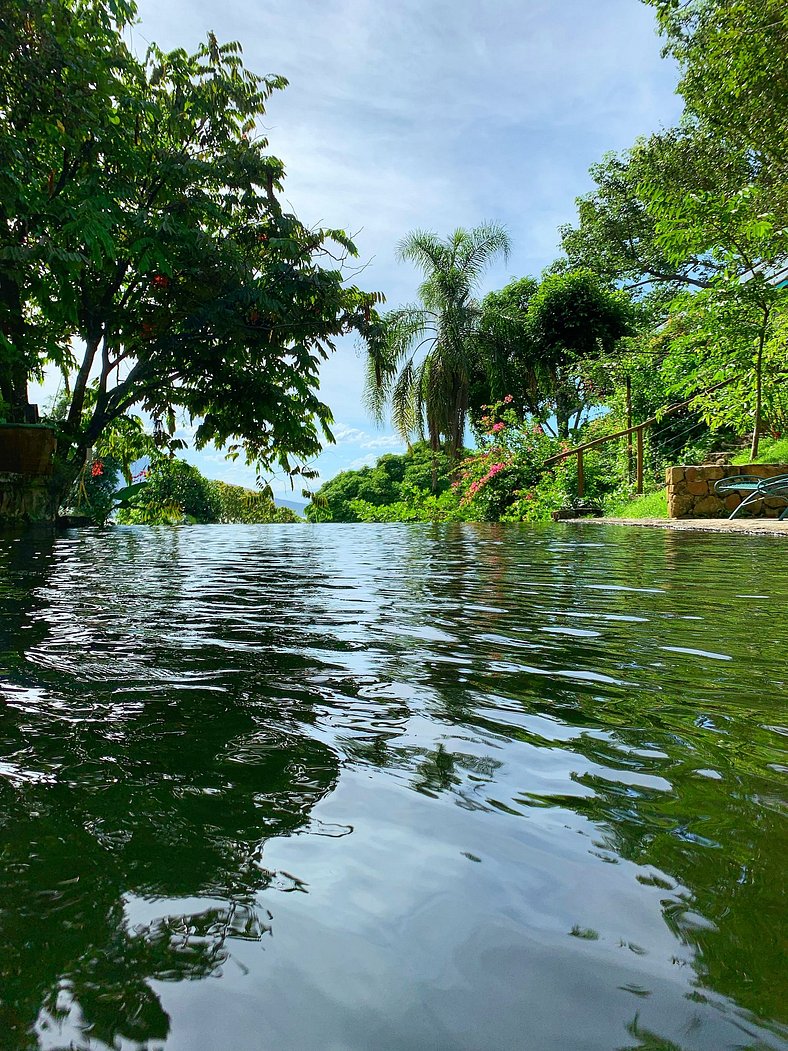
column 149, row 775
column 159, row 768
column 676, row 761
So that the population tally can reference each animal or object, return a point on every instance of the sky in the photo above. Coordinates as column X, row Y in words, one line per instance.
column 431, row 114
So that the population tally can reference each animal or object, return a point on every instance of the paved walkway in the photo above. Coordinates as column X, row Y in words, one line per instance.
column 748, row 526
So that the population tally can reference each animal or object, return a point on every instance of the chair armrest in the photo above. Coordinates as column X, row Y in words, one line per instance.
column 779, row 483
column 738, row 481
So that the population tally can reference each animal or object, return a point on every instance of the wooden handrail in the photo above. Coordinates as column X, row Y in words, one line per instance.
column 639, row 427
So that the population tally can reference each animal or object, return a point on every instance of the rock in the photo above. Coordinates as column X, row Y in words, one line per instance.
column 708, row 507
column 680, row 506
column 698, row 488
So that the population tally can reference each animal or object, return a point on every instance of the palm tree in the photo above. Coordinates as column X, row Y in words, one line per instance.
column 418, row 357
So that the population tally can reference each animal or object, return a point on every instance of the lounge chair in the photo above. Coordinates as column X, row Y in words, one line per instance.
column 752, row 488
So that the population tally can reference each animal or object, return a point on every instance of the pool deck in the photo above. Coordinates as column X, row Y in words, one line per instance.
column 747, row 526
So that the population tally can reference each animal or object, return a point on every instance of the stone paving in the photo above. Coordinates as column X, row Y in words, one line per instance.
column 747, row 526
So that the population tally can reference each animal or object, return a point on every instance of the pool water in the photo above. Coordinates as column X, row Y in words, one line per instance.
column 441, row 787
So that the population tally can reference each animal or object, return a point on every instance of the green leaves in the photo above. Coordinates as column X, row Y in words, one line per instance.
column 128, row 492
column 418, row 356
column 144, row 222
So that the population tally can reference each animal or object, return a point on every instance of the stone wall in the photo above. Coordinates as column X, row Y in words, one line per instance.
column 26, row 498
column 691, row 491
column 28, row 490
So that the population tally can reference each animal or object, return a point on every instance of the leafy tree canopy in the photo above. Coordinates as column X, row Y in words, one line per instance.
column 675, row 212
column 734, row 74
column 534, row 340
column 144, row 249
column 393, row 479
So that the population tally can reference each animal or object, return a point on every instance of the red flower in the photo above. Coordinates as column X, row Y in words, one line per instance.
column 160, row 281
column 97, row 468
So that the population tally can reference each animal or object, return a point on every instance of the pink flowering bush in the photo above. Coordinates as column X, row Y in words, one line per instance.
column 506, row 479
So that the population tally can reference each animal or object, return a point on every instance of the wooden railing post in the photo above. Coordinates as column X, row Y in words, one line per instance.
column 629, row 436
column 626, row 432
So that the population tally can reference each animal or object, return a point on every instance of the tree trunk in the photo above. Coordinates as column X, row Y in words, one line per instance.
column 756, row 432
column 14, row 382
column 81, row 382
column 563, row 413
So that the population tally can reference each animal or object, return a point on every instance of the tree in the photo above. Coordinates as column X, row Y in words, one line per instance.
column 249, row 506
column 139, row 215
column 573, row 319
column 689, row 220
column 428, row 389
column 411, row 479
column 504, row 364
column 622, row 222
column 737, row 337
column 535, row 341
column 734, row 74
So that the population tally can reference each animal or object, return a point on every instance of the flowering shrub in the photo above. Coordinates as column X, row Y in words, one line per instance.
column 92, row 494
column 506, row 479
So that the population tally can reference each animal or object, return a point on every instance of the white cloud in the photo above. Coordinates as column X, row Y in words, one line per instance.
column 436, row 114
column 362, row 461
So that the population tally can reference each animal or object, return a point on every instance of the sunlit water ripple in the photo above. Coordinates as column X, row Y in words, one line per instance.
column 392, row 787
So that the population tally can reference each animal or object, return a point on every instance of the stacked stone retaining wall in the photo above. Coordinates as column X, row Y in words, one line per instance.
column 691, row 491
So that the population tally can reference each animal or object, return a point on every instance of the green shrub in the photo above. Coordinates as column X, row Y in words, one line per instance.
column 176, row 492
column 237, row 504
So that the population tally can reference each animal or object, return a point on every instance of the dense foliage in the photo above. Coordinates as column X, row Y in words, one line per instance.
column 144, row 249
column 176, row 492
column 535, row 343
column 694, row 220
column 414, row 486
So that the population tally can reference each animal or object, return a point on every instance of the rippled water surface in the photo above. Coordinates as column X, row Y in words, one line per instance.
column 432, row 787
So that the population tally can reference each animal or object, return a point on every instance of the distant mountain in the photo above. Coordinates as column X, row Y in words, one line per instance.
column 294, row 505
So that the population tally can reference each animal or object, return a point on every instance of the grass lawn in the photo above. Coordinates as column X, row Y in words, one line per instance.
column 649, row 505
column 771, row 450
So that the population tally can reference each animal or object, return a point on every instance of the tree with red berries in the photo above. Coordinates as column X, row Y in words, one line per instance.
column 144, row 250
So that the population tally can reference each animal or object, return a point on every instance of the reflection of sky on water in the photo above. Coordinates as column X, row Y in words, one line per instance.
column 365, row 784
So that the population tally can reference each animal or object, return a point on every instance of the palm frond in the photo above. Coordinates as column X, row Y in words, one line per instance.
column 387, row 344
column 405, row 416
column 480, row 247
column 425, row 249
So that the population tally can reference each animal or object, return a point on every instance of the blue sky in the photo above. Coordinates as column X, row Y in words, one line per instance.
column 432, row 114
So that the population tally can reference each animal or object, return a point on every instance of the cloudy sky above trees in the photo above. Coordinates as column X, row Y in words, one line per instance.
column 433, row 114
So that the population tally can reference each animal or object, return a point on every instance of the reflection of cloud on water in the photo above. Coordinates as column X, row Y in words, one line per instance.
column 539, row 816
column 140, row 781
